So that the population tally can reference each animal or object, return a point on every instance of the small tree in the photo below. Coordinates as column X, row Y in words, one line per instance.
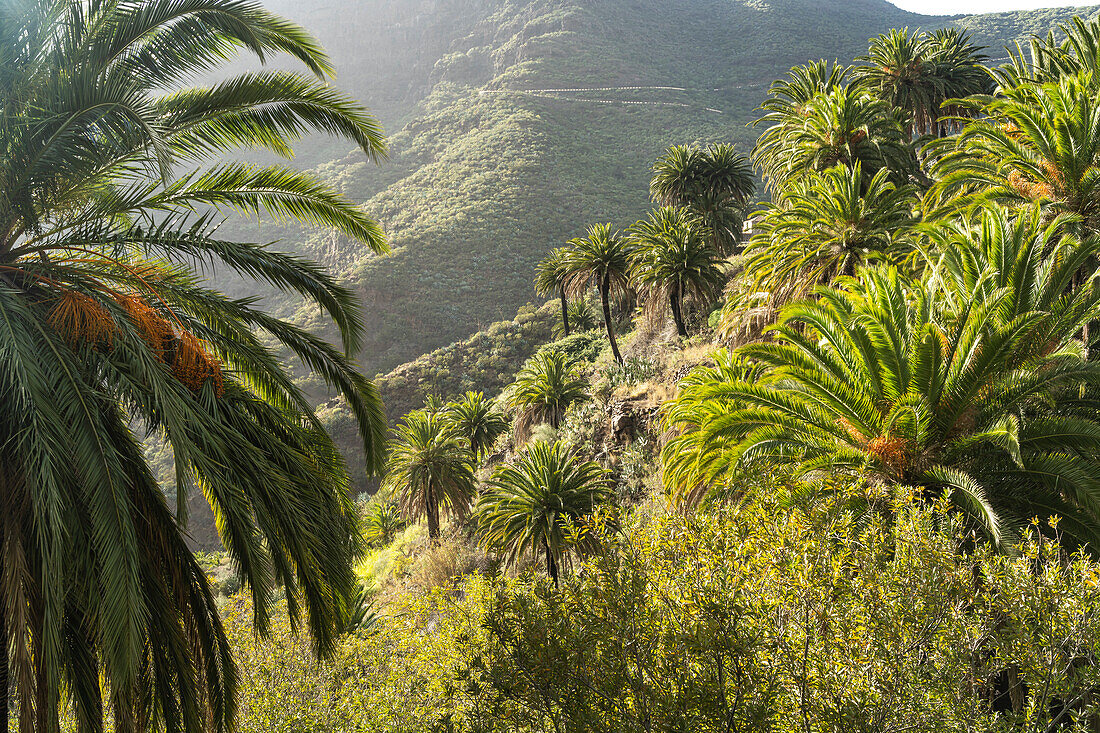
column 602, row 258
column 552, row 278
column 531, row 504
column 431, row 469
column 673, row 261
column 477, row 419
column 544, row 389
column 381, row 523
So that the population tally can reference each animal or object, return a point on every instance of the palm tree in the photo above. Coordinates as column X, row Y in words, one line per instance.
column 971, row 384
column 602, row 257
column 961, row 66
column 919, row 72
column 842, row 126
column 477, row 420
column 551, row 278
column 1075, row 50
column 673, row 262
column 430, row 469
column 531, row 505
column 823, row 226
column 544, row 389
column 582, row 318
column 105, row 327
column 381, row 523
column 714, row 183
column 785, row 108
column 1035, row 143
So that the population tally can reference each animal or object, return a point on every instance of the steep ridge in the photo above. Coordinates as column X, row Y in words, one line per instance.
column 516, row 123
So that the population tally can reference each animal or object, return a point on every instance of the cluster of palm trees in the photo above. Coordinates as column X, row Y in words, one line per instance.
column 845, row 153
column 674, row 257
column 928, row 268
column 526, row 506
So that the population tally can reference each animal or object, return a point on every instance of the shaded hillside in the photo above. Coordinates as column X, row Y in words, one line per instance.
column 489, row 170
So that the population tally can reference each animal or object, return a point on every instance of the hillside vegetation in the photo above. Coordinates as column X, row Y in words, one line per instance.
column 484, row 176
column 834, row 472
column 844, row 475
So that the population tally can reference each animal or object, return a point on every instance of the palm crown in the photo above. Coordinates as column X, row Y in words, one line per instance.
column 673, row 262
column 552, row 278
column 600, row 258
column 822, row 226
column 431, row 469
column 1036, row 143
column 529, row 505
column 838, row 126
column 477, row 419
column 919, row 72
column 545, row 388
column 714, row 183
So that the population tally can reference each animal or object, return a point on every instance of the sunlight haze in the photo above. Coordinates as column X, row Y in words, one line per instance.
column 966, row 7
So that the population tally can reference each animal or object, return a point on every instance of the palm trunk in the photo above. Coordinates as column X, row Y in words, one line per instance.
column 564, row 312
column 605, row 296
column 431, row 509
column 551, row 564
column 675, row 298
column 4, row 681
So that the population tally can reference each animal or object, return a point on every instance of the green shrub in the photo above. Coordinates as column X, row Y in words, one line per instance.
column 776, row 614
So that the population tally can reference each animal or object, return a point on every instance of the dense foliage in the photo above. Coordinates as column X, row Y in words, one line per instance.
column 488, row 173
column 877, row 508
column 777, row 615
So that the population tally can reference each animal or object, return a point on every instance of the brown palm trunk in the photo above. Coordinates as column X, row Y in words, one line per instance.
column 551, row 564
column 4, row 680
column 564, row 313
column 675, row 299
column 605, row 296
column 431, row 509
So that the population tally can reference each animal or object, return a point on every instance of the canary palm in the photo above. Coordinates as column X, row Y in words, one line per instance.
column 582, row 318
column 477, row 420
column 785, row 109
column 674, row 263
column 552, row 278
column 545, row 388
column 714, row 183
column 971, row 385
column 600, row 258
column 842, row 126
column 823, row 226
column 1036, row 142
column 1075, row 50
column 105, row 328
column 531, row 504
column 919, row 72
column 381, row 523
column 430, row 469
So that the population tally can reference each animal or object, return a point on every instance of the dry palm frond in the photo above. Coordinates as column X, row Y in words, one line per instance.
column 892, row 452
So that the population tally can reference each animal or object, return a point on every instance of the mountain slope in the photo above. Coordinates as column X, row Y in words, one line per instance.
column 489, row 169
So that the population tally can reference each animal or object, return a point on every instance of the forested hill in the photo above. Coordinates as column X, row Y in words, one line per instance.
column 514, row 124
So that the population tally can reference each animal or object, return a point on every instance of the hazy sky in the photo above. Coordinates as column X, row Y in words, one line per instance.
column 954, row 7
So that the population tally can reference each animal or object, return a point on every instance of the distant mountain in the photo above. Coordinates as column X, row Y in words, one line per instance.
column 492, row 165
